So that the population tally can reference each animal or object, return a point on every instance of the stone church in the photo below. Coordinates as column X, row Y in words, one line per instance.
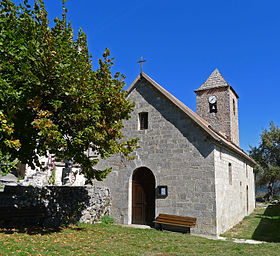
column 188, row 164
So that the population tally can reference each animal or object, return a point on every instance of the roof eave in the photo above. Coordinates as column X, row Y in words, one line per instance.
column 129, row 89
column 237, row 96
column 180, row 105
column 224, row 86
column 243, row 154
column 233, row 146
column 172, row 99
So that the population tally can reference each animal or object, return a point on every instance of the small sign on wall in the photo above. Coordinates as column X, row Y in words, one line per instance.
column 162, row 191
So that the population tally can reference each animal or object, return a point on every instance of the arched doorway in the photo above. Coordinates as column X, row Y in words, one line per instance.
column 143, row 196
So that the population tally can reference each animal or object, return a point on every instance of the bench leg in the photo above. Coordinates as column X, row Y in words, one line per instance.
column 158, row 226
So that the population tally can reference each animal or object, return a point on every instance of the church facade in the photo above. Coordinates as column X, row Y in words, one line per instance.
column 187, row 164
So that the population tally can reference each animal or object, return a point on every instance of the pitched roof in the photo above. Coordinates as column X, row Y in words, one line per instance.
column 215, row 80
column 203, row 124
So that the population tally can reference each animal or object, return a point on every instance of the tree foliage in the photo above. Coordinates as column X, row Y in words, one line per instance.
column 267, row 156
column 51, row 96
column 6, row 129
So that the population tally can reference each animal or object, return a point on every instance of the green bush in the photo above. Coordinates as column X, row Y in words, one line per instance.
column 106, row 219
column 51, row 180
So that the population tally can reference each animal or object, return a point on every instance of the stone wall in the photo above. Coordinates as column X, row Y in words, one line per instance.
column 231, row 196
column 179, row 154
column 220, row 121
column 234, row 117
column 64, row 205
column 42, row 177
column 224, row 120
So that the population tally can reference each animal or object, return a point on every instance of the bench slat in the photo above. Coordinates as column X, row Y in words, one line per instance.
column 178, row 222
column 175, row 217
column 175, row 223
column 175, row 220
column 171, row 224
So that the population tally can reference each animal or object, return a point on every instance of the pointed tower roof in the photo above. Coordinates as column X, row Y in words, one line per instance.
column 215, row 80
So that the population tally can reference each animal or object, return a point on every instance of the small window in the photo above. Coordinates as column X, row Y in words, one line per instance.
column 213, row 107
column 230, row 173
column 233, row 104
column 143, row 121
column 247, row 199
column 240, row 191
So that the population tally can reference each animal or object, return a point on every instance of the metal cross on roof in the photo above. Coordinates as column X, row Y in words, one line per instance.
column 141, row 61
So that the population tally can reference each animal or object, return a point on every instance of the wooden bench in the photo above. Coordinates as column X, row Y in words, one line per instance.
column 174, row 220
column 16, row 216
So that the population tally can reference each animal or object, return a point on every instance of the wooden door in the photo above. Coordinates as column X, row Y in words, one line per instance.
column 138, row 204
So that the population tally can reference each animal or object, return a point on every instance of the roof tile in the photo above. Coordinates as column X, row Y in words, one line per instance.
column 213, row 81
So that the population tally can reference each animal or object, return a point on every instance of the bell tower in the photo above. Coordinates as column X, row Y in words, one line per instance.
column 217, row 103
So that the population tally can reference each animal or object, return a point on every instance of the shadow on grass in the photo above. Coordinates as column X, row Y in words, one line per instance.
column 30, row 230
column 268, row 229
column 38, row 230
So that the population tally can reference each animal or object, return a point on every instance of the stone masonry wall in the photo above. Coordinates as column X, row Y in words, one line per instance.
column 232, row 198
column 220, row 121
column 64, row 205
column 234, row 118
column 179, row 154
column 224, row 120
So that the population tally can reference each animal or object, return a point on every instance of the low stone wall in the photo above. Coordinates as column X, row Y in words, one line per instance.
column 64, row 205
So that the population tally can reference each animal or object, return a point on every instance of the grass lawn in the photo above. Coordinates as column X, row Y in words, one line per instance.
column 263, row 225
column 102, row 239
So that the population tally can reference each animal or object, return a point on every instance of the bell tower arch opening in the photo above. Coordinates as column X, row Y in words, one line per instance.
column 143, row 196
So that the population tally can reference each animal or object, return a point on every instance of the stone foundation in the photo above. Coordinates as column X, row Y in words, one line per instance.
column 64, row 205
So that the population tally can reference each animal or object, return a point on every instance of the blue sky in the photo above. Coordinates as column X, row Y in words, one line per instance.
column 184, row 41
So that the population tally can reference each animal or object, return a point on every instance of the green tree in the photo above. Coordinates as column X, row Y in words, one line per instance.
column 52, row 97
column 7, row 164
column 267, row 156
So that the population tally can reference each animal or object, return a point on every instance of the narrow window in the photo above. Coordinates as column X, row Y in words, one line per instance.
column 230, row 173
column 233, row 103
column 247, row 199
column 213, row 107
column 240, row 190
column 143, row 121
